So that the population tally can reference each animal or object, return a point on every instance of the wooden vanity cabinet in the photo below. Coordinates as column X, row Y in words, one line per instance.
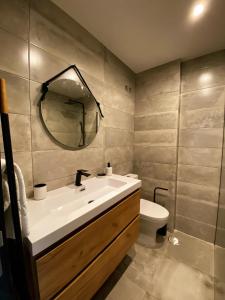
column 78, row 266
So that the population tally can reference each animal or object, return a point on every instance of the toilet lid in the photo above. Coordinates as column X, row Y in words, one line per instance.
column 151, row 210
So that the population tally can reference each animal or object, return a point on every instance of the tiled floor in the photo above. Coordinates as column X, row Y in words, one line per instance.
column 183, row 272
column 219, row 273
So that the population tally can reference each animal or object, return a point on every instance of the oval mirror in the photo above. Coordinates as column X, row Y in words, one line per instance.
column 69, row 111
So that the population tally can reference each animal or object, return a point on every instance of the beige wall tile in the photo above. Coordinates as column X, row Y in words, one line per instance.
column 157, row 121
column 121, row 100
column 200, row 230
column 202, row 118
column 202, row 137
column 115, row 137
column 57, row 183
column 162, row 79
column 40, row 138
column 198, row 192
column 204, row 176
column 56, row 164
column 55, row 15
column 35, row 95
column 156, row 171
column 24, row 160
column 149, row 184
column 203, row 72
column 50, row 37
column 117, row 119
column 166, row 155
column 17, row 93
column 117, row 74
column 14, row 17
column 156, row 137
column 205, row 98
column 205, row 212
column 117, row 155
column 96, row 86
column 43, row 65
column 13, row 54
column 208, row 157
column 123, row 168
column 149, row 104
column 20, row 133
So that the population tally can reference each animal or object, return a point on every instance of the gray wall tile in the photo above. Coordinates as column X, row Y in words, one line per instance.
column 203, row 72
column 115, row 137
column 117, row 74
column 20, row 132
column 157, row 121
column 162, row 79
column 205, row 98
column 123, row 168
column 24, row 160
column 14, row 17
column 154, row 170
column 208, row 157
column 166, row 155
column 157, row 137
column 40, row 139
column 203, row 137
column 117, row 155
column 117, row 119
column 148, row 104
column 198, row 192
column 148, row 185
column 50, row 37
column 43, row 65
column 17, row 93
column 55, row 15
column 121, row 100
column 194, row 210
column 202, row 118
column 204, row 176
column 62, row 163
column 200, row 230
column 13, row 54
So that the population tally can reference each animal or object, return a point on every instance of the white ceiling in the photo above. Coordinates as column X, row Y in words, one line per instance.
column 147, row 33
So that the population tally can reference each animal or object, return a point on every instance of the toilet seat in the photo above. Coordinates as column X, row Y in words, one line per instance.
column 153, row 211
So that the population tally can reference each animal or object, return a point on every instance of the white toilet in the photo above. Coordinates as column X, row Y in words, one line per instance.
column 153, row 218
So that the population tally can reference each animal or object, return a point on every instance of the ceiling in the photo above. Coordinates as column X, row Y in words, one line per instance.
column 147, row 33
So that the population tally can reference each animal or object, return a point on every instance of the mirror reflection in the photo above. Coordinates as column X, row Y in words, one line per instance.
column 70, row 113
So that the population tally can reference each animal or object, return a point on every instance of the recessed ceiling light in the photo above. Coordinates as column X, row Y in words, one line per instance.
column 198, row 10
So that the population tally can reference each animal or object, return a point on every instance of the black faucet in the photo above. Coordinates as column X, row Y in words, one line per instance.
column 78, row 176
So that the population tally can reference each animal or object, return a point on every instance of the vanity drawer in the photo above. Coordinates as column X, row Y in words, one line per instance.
column 92, row 278
column 59, row 266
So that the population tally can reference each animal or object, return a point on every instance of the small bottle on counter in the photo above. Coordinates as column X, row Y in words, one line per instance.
column 108, row 169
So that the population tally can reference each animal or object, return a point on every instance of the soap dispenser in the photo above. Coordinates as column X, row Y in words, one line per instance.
column 108, row 169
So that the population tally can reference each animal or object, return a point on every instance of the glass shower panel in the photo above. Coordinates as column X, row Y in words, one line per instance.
column 219, row 256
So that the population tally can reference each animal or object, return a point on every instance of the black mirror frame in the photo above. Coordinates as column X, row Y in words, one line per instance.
column 44, row 90
column 74, row 67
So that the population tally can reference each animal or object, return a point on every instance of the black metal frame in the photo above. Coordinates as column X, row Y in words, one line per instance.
column 44, row 92
column 155, row 189
column 15, row 246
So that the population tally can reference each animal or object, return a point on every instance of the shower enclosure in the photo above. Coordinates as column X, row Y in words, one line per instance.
column 219, row 248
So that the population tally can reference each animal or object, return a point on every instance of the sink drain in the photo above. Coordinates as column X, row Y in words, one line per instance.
column 90, row 201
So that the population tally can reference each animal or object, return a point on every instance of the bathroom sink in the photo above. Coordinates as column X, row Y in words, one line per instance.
column 67, row 208
column 76, row 197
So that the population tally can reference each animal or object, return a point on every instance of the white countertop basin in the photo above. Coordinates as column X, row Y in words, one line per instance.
column 67, row 208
